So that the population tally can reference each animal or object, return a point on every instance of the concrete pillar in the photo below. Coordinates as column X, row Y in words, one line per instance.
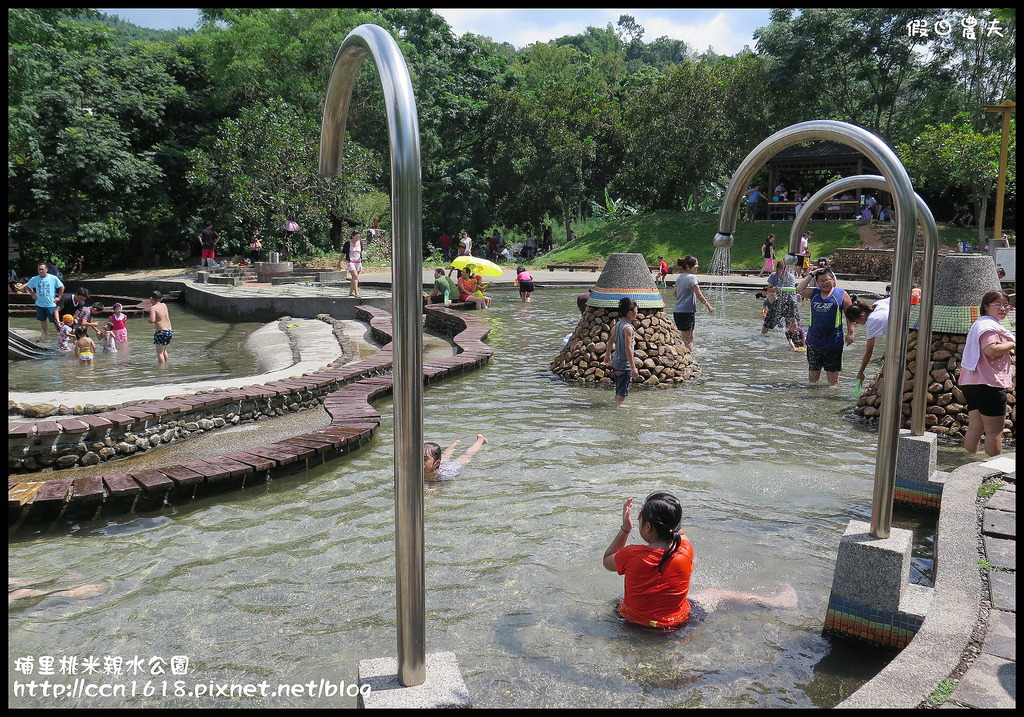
column 872, row 599
column 444, row 687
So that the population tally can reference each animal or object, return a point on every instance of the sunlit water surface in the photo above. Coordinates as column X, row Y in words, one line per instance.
column 294, row 581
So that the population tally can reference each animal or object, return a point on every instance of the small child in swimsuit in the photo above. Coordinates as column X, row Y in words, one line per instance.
column 119, row 320
column 439, row 466
column 66, row 331
column 85, row 347
column 108, row 338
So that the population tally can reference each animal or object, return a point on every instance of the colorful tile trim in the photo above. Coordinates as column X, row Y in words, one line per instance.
column 877, row 627
column 951, row 319
column 609, row 298
column 919, row 494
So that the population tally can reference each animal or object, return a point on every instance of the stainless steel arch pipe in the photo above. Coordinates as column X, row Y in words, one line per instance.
column 407, row 311
column 898, row 183
column 931, row 265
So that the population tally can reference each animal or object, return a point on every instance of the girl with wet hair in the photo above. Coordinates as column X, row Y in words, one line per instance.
column 438, row 465
column 657, row 575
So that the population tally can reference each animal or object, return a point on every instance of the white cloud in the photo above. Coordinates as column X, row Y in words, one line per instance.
column 721, row 32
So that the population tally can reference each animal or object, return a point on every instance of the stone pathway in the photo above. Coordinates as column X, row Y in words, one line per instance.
column 991, row 682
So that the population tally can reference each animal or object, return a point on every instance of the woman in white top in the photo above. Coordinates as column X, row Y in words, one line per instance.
column 876, row 320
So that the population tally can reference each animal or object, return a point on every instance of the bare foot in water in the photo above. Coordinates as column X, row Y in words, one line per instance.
column 786, row 598
column 85, row 590
column 480, row 438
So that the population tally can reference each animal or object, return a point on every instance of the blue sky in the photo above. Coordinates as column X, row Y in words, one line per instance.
column 726, row 31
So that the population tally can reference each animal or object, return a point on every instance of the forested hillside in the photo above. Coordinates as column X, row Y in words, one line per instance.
column 122, row 141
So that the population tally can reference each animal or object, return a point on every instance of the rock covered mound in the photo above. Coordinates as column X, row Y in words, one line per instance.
column 660, row 354
column 946, row 411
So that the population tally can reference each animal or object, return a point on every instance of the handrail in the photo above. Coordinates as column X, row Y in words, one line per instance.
column 406, row 221
column 902, row 190
column 931, row 262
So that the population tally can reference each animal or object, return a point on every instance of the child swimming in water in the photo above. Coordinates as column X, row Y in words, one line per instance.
column 657, row 575
column 795, row 335
column 438, row 465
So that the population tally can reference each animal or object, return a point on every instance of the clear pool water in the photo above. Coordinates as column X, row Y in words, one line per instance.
column 294, row 581
column 203, row 348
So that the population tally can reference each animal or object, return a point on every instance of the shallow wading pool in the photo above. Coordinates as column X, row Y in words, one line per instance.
column 203, row 348
column 293, row 581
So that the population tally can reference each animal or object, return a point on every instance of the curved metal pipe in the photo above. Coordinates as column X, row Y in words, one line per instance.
column 899, row 185
column 407, row 311
column 919, row 402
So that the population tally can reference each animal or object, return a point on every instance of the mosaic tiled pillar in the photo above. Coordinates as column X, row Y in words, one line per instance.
column 661, row 355
column 872, row 600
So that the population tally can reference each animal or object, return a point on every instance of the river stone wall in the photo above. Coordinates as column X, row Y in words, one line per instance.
column 662, row 357
column 99, row 434
column 872, row 262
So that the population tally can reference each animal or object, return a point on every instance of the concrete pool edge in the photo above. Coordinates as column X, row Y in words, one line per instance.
column 353, row 421
column 938, row 647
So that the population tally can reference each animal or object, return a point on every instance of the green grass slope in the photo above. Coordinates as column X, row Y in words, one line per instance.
column 676, row 234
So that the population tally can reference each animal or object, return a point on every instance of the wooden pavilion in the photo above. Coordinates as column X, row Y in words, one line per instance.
column 812, row 166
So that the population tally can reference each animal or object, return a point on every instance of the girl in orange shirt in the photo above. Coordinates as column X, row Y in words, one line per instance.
column 657, row 575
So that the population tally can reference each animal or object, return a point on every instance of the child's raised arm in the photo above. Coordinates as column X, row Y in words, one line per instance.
column 619, row 541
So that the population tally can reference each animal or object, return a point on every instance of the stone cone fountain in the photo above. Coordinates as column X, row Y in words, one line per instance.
column 661, row 356
column 961, row 281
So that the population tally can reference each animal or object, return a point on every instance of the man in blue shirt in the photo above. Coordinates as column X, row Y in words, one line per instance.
column 46, row 289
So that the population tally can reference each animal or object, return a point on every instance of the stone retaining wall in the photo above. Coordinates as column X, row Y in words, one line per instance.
column 874, row 262
column 348, row 390
column 88, row 435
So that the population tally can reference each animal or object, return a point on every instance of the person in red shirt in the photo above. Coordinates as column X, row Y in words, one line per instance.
column 657, row 575
column 446, row 245
column 662, row 271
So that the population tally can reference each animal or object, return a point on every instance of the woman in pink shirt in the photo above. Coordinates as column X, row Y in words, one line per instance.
column 986, row 371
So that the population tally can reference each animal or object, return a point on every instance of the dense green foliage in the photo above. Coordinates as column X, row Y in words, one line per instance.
column 123, row 140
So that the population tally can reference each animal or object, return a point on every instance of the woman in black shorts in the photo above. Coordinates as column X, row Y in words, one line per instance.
column 986, row 371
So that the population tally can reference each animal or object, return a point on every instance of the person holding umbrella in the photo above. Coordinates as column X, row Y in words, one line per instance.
column 469, row 288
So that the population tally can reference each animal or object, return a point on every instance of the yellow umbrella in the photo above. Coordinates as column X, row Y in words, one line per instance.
column 480, row 266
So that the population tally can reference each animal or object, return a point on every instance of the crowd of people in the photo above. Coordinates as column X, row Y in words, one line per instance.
column 658, row 569
column 73, row 317
column 871, row 209
column 496, row 249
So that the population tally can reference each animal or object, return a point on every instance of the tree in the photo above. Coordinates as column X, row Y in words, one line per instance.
column 674, row 137
column 848, row 64
column 262, row 169
column 86, row 118
column 554, row 137
column 971, row 67
column 953, row 156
